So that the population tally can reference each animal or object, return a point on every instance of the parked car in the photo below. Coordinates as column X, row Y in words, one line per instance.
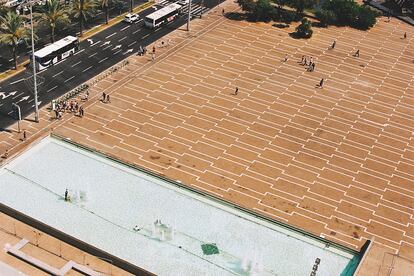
column 131, row 18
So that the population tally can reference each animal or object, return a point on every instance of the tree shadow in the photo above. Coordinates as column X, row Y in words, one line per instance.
column 281, row 25
column 295, row 35
column 236, row 16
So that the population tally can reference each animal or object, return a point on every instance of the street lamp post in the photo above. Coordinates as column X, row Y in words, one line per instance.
column 189, row 15
column 34, row 66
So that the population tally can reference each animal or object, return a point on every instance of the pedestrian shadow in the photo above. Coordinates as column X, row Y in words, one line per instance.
column 29, row 120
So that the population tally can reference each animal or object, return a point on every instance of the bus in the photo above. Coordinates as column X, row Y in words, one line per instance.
column 56, row 52
column 162, row 16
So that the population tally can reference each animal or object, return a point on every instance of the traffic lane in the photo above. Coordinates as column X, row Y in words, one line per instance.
column 85, row 44
column 67, row 85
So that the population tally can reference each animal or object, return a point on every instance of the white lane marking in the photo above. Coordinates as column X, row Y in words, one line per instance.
column 137, row 31
column 117, row 47
column 93, row 54
column 90, row 41
column 145, row 36
column 76, row 63
column 3, row 94
column 128, row 51
column 125, row 28
column 78, row 52
column 18, row 95
column 17, row 81
column 106, row 43
column 57, row 74
column 109, row 46
column 97, row 42
column 87, row 69
column 117, row 51
column 10, row 112
column 129, row 45
column 110, row 35
column 102, row 60
column 38, row 103
column 23, row 99
column 69, row 79
column 51, row 88
column 122, row 39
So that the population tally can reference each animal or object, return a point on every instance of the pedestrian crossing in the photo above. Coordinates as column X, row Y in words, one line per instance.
column 196, row 9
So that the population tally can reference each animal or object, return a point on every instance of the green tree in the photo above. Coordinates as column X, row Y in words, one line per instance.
column 53, row 14
column 82, row 10
column 365, row 19
column 326, row 17
column 247, row 5
column 13, row 32
column 301, row 5
column 118, row 5
column 304, row 29
column 104, row 6
column 263, row 10
column 3, row 8
column 346, row 13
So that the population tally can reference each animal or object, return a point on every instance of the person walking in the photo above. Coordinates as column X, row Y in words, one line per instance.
column 103, row 97
column 333, row 45
column 321, row 83
column 237, row 91
column 24, row 135
column 305, row 62
column 108, row 100
column 153, row 56
column 356, row 53
column 222, row 12
column 66, row 195
column 405, row 35
column 301, row 61
column 153, row 49
column 81, row 112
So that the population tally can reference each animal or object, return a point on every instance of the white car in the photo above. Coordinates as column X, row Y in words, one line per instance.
column 183, row 2
column 131, row 18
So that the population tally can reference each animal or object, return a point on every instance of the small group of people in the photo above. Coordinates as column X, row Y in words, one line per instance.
column 311, row 64
column 105, row 98
column 65, row 106
column 142, row 51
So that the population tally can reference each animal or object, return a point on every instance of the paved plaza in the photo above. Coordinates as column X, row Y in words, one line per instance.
column 336, row 161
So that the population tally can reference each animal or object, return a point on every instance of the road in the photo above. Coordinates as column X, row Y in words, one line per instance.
column 107, row 48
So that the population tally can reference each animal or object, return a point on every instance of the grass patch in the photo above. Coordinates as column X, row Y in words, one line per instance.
column 11, row 72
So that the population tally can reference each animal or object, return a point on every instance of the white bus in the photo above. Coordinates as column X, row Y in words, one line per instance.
column 162, row 16
column 55, row 52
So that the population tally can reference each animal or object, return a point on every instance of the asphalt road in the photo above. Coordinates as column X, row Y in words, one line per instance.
column 97, row 54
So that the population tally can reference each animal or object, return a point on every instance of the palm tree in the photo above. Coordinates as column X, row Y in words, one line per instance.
column 104, row 5
column 53, row 14
column 82, row 9
column 13, row 32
